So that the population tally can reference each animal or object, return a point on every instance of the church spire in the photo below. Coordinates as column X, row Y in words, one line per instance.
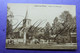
column 26, row 14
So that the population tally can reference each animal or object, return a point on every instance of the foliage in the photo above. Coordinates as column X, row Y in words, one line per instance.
column 65, row 24
column 9, row 22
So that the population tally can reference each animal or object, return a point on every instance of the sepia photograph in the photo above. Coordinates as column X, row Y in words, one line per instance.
column 41, row 26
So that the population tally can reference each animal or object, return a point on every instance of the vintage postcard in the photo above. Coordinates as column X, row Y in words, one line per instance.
column 41, row 26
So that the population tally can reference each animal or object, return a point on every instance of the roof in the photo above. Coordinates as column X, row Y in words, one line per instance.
column 17, row 29
column 73, row 34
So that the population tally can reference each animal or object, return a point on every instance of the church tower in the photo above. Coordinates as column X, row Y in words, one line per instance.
column 26, row 25
column 26, row 21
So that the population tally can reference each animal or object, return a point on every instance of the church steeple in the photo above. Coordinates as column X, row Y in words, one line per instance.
column 26, row 14
column 26, row 21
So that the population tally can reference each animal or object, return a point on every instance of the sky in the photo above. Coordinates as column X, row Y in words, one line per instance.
column 41, row 12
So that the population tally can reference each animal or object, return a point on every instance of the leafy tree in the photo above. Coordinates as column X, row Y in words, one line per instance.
column 69, row 24
column 65, row 25
column 74, row 26
column 67, row 19
column 47, row 31
column 9, row 23
column 9, row 13
column 56, row 26
column 47, row 28
column 9, row 27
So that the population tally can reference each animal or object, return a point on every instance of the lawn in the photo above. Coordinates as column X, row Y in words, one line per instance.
column 41, row 46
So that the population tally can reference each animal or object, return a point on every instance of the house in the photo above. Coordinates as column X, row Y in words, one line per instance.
column 73, row 38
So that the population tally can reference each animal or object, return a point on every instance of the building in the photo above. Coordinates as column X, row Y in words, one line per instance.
column 73, row 38
column 26, row 23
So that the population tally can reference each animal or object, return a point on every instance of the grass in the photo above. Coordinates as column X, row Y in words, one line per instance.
column 41, row 46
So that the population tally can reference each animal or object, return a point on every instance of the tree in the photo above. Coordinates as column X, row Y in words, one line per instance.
column 74, row 24
column 9, row 28
column 64, row 26
column 69, row 24
column 64, row 16
column 9, row 22
column 9, row 13
column 47, row 28
column 47, row 31
column 67, row 19
column 56, row 26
